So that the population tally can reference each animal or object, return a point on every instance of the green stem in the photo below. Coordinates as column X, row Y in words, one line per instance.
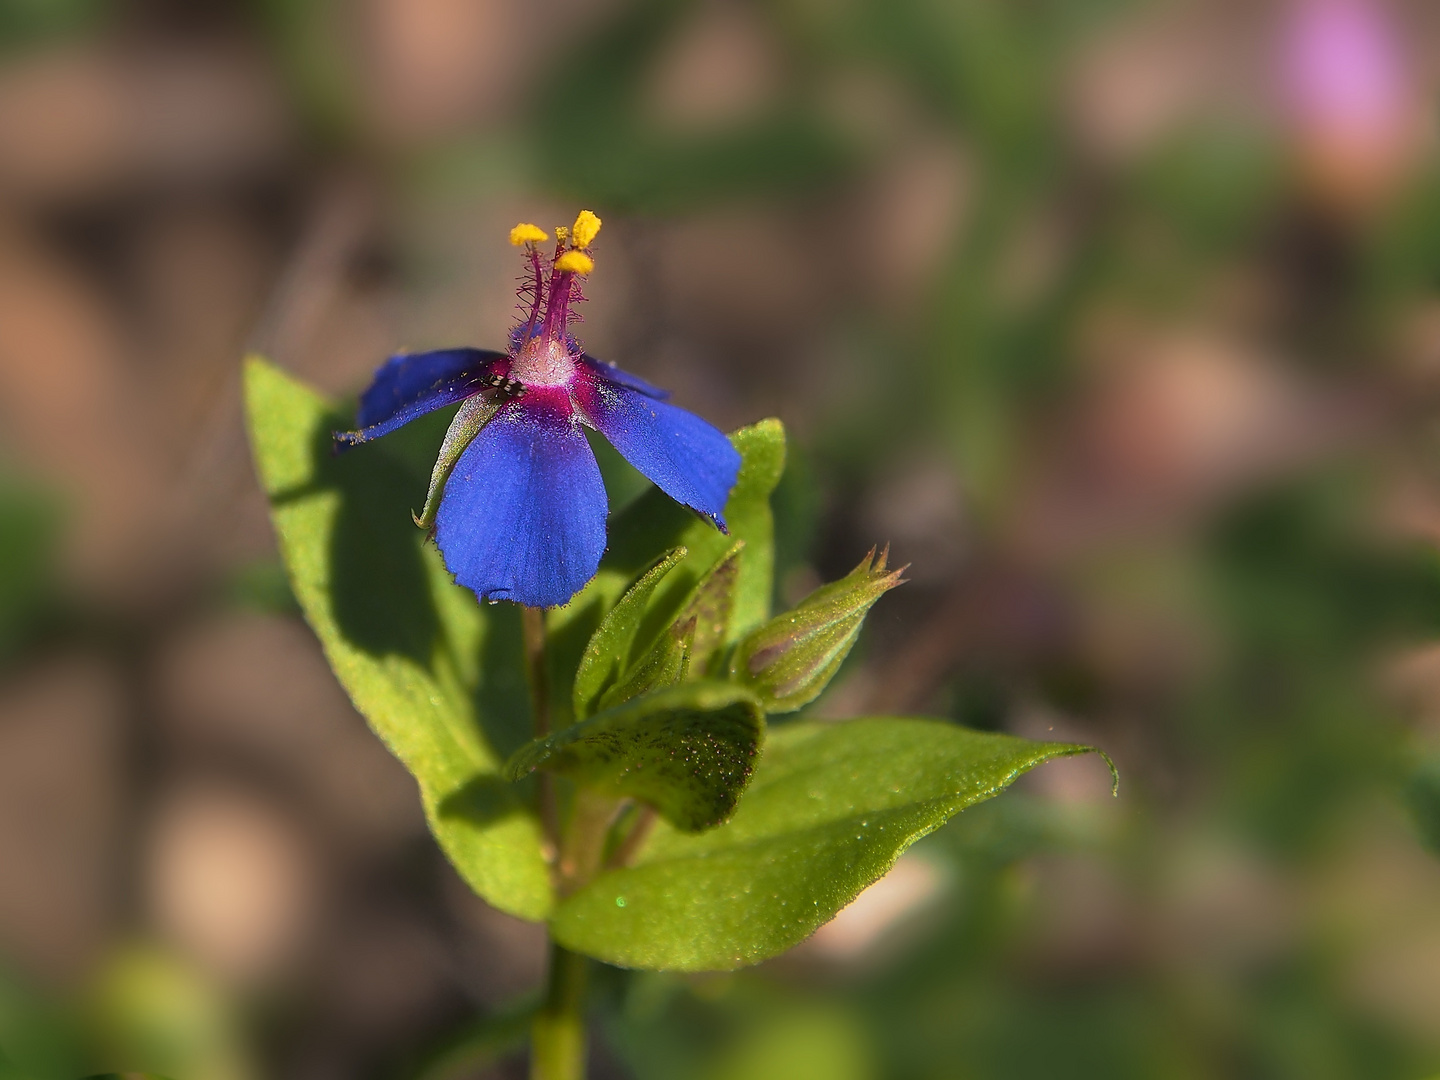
column 537, row 673
column 532, row 628
column 582, row 848
column 557, row 1035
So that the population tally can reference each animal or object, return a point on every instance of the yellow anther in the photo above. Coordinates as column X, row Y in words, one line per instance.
column 575, row 262
column 525, row 233
column 585, row 229
column 561, row 232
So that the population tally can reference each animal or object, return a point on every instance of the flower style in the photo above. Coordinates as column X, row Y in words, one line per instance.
column 516, row 502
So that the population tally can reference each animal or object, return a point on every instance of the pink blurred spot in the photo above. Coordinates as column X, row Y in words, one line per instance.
column 1343, row 68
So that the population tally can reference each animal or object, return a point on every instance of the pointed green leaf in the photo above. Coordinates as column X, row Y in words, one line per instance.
column 664, row 664
column 702, row 623
column 829, row 810
column 793, row 657
column 437, row 676
column 609, row 648
column 712, row 606
column 687, row 751
column 655, row 523
column 473, row 415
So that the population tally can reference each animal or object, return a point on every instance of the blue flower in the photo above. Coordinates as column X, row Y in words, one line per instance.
column 516, row 503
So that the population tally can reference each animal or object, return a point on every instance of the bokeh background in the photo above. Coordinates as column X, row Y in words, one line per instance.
column 1119, row 320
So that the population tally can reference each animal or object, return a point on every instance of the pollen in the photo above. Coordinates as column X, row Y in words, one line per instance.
column 585, row 229
column 561, row 233
column 525, row 233
column 575, row 262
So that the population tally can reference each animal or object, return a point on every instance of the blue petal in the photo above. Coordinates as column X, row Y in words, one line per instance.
column 609, row 371
column 523, row 514
column 688, row 459
column 407, row 387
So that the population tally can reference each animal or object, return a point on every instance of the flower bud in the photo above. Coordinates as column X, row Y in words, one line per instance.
column 791, row 659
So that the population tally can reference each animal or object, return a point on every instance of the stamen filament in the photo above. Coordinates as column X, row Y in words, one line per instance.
column 538, row 298
column 557, row 311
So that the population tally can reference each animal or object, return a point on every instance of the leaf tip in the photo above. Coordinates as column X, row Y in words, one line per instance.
column 525, row 761
column 255, row 363
column 761, row 467
column 1114, row 772
column 1072, row 749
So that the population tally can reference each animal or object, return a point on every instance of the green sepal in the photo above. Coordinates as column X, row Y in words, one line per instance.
column 604, row 659
column 437, row 676
column 689, row 644
column 654, row 523
column 711, row 606
column 687, row 751
column 474, row 414
column 830, row 809
column 793, row 657
column 664, row 664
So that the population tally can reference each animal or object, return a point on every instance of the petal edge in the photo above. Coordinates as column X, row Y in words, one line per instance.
column 407, row 386
column 687, row 458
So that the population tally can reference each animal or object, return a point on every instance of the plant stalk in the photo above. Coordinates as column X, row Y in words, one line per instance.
column 582, row 849
column 557, row 1034
column 537, row 673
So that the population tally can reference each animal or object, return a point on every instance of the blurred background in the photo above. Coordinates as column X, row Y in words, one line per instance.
column 1119, row 320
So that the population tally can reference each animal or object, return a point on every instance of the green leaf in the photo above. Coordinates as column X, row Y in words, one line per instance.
column 604, row 658
column 665, row 664
column 793, row 657
column 829, row 810
column 687, row 751
column 159, row 1016
column 711, row 606
column 437, row 676
column 655, row 523
column 688, row 644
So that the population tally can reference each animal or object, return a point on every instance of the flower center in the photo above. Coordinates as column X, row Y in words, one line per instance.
column 541, row 345
column 543, row 361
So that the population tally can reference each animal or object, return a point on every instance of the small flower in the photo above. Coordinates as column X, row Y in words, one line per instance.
column 1346, row 85
column 516, row 503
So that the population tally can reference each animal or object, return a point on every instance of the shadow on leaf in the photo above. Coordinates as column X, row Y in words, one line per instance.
column 482, row 801
column 382, row 592
column 502, row 700
column 379, row 595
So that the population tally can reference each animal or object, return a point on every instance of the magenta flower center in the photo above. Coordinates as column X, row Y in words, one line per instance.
column 543, row 361
column 542, row 352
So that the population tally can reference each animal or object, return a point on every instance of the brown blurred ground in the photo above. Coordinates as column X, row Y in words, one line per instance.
column 185, row 771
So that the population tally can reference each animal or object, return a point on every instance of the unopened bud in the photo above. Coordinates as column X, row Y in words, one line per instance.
column 793, row 657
